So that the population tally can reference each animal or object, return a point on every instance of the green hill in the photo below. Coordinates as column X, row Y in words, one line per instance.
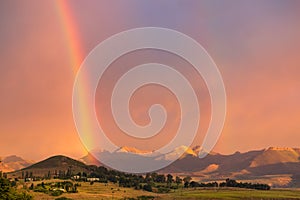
column 53, row 166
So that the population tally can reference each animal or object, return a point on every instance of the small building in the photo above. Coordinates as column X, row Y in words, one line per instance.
column 93, row 179
column 76, row 177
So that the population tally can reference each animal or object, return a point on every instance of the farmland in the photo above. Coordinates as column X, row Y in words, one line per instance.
column 112, row 191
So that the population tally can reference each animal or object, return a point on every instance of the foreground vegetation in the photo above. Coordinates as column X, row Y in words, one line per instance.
column 113, row 191
column 95, row 190
column 102, row 183
column 234, row 193
column 8, row 190
column 151, row 182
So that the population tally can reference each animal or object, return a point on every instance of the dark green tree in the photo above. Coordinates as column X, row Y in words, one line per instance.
column 178, row 180
column 169, row 180
column 147, row 187
column 160, row 178
column 10, row 193
column 186, row 181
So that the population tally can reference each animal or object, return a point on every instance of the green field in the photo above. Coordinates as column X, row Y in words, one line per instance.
column 229, row 193
column 97, row 191
column 111, row 191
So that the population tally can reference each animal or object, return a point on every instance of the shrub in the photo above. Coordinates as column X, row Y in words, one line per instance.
column 9, row 192
column 56, row 192
column 63, row 198
column 145, row 197
column 147, row 187
column 163, row 190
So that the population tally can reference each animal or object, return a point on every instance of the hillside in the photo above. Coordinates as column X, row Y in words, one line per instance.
column 57, row 162
column 276, row 155
column 89, row 159
column 13, row 162
column 279, row 166
column 52, row 166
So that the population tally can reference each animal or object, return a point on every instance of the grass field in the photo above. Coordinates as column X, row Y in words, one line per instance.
column 229, row 193
column 111, row 191
column 98, row 191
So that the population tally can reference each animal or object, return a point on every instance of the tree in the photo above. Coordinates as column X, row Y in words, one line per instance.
column 69, row 172
column 154, row 176
column 31, row 186
column 169, row 180
column 194, row 184
column 178, row 180
column 112, row 179
column 148, row 178
column 4, row 188
column 74, row 189
column 186, row 181
column 8, row 192
column 61, row 174
column 67, row 188
column 84, row 174
column 26, row 174
column 160, row 178
column 231, row 183
column 147, row 187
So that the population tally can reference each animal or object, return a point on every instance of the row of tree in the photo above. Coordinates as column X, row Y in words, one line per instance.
column 60, row 174
column 149, row 180
column 232, row 183
column 132, row 180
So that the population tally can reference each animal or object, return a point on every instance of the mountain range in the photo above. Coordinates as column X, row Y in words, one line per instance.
column 275, row 166
column 13, row 162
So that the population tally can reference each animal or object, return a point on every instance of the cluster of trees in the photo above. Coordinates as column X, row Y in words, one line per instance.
column 231, row 183
column 60, row 174
column 8, row 190
column 197, row 184
column 56, row 188
column 164, row 182
column 146, row 182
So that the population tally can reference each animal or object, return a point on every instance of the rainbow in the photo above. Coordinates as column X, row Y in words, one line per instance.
column 71, row 34
column 76, row 57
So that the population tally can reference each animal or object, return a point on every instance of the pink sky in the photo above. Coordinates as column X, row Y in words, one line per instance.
column 256, row 46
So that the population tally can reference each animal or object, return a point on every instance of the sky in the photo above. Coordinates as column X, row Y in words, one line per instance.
column 255, row 45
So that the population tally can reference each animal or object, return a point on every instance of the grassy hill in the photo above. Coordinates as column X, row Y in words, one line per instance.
column 276, row 155
column 58, row 161
column 52, row 166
